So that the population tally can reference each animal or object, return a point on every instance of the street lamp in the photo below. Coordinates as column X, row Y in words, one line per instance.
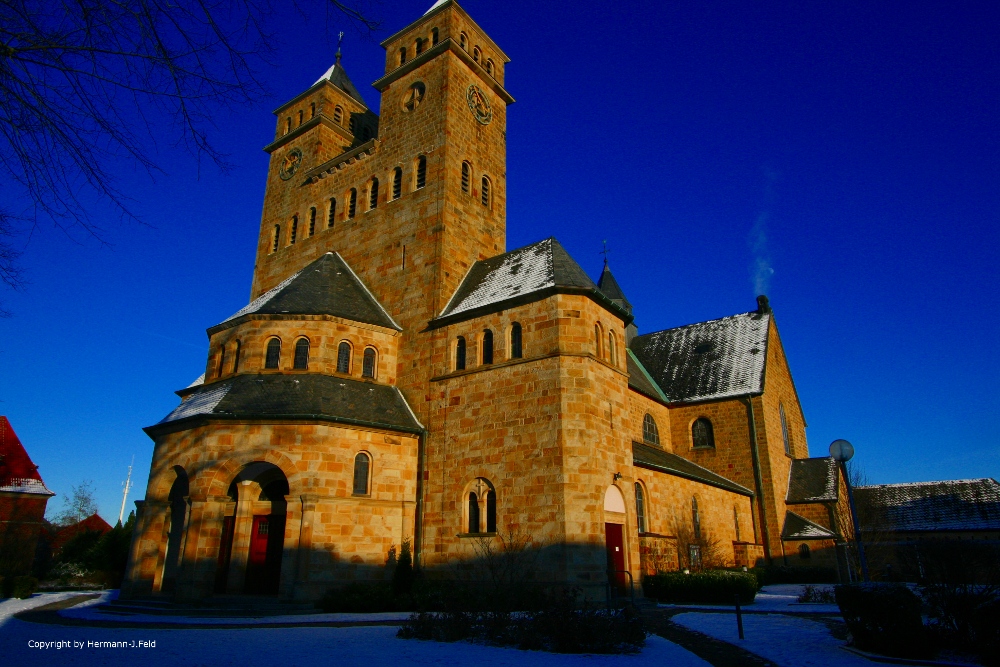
column 842, row 452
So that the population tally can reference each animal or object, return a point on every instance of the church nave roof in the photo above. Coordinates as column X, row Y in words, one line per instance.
column 654, row 458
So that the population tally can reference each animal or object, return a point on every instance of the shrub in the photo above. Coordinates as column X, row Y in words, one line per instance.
column 783, row 574
column 986, row 634
column 23, row 587
column 884, row 618
column 812, row 594
column 715, row 587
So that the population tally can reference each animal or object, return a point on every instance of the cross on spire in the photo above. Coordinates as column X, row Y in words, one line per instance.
column 605, row 252
column 340, row 38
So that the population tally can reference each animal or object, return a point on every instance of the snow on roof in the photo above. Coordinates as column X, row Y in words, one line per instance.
column 958, row 504
column 813, row 481
column 201, row 403
column 18, row 474
column 435, row 6
column 800, row 528
column 25, row 485
column 709, row 360
column 198, row 381
column 260, row 301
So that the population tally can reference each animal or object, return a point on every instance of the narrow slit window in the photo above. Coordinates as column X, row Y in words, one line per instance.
column 294, row 231
column 338, row 115
column 312, row 220
column 397, row 182
column 418, row 47
column 373, row 195
column 402, row 55
column 487, row 347
column 344, row 357
column 491, row 511
column 273, row 357
column 301, row 354
column 331, row 213
column 460, row 354
column 288, row 125
column 222, row 361
column 612, row 349
column 236, row 357
column 463, row 41
column 489, row 67
column 300, row 117
column 695, row 519
column 352, row 203
column 434, row 36
column 466, row 177
column 276, row 241
column 640, row 508
column 784, row 429
column 421, row 171
column 368, row 364
column 362, row 468
column 485, row 192
column 473, row 512
column 476, row 54
column 516, row 351
column 312, row 110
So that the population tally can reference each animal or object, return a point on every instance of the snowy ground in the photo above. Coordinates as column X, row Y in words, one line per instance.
column 786, row 640
column 780, row 598
column 23, row 643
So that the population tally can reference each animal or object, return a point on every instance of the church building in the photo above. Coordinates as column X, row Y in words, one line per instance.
column 399, row 375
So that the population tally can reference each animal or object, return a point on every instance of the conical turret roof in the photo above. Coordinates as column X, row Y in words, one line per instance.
column 338, row 77
column 609, row 286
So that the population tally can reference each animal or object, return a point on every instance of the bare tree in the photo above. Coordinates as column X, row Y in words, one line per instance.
column 85, row 84
column 78, row 506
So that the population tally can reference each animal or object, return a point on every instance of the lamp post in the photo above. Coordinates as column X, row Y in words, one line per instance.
column 842, row 452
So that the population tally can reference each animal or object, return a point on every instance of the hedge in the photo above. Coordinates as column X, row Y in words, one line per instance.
column 714, row 587
column 884, row 618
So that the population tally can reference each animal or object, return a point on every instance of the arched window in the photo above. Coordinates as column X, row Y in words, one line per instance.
column 222, row 361
column 402, row 55
column 598, row 335
column 300, row 117
column 784, row 430
column 463, row 41
column 236, row 357
column 301, row 362
column 695, row 519
column 273, row 353
column 489, row 67
column 418, row 47
column 460, row 354
column 344, row 357
column 362, row 474
column 473, row 512
column 650, row 434
column 295, row 230
column 312, row 110
column 612, row 349
column 476, row 53
column 421, row 171
column 640, row 508
column 487, row 346
column 804, row 552
column 331, row 213
column 312, row 220
column 368, row 363
column 701, row 433
column 485, row 192
column 466, row 177
column 288, row 125
column 397, row 182
column 434, row 36
column 352, row 203
column 516, row 351
column 373, row 194
column 338, row 115
column 276, row 240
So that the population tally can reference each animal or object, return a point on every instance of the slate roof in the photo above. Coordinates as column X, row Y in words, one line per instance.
column 961, row 504
column 17, row 472
column 305, row 396
column 338, row 77
column 640, row 380
column 710, row 360
column 800, row 528
column 528, row 273
column 327, row 286
column 814, row 480
column 610, row 287
column 655, row 458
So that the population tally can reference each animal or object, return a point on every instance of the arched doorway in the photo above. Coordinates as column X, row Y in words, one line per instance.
column 253, row 532
column 614, row 538
column 176, row 523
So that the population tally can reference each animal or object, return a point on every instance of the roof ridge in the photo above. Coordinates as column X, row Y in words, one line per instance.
column 928, row 483
column 694, row 324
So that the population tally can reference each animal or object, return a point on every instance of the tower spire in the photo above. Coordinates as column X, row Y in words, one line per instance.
column 340, row 38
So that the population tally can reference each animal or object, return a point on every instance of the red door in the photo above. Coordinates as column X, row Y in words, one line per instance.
column 616, row 551
column 264, row 559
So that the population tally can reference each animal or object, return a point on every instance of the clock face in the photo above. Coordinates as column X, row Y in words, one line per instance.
column 479, row 104
column 291, row 164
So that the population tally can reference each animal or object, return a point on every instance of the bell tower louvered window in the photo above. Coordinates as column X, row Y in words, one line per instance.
column 466, row 177
column 397, row 183
column 421, row 171
column 331, row 213
column 312, row 220
column 352, row 203
column 373, row 195
column 276, row 239
column 295, row 230
column 485, row 193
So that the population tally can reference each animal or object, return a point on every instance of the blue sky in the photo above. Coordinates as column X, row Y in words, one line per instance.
column 845, row 159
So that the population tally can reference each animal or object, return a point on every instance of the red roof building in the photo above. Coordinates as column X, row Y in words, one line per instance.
column 23, row 496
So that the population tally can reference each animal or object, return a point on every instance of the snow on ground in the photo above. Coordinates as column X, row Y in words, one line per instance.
column 23, row 643
column 779, row 598
column 786, row 640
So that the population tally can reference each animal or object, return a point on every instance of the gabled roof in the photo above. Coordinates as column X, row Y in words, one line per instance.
column 814, row 480
column 328, row 286
column 653, row 458
column 721, row 358
column 17, row 473
column 609, row 286
column 338, row 77
column 523, row 275
column 306, row 396
column 960, row 504
column 800, row 528
column 640, row 380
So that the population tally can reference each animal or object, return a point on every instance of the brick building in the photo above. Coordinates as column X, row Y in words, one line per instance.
column 23, row 496
column 399, row 375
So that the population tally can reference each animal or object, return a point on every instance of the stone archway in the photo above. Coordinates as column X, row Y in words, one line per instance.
column 175, row 528
column 252, row 540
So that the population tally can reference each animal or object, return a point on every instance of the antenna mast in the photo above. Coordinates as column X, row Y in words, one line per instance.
column 127, row 485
